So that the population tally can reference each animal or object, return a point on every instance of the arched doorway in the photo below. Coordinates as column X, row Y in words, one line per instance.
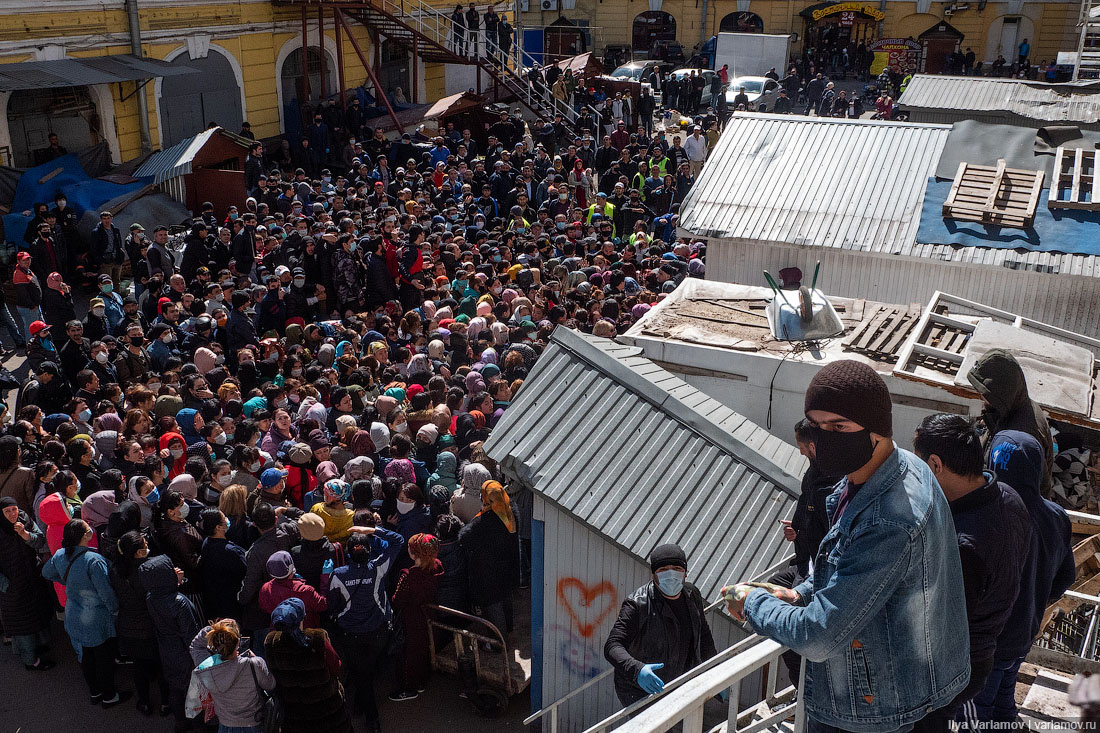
column 290, row 77
column 650, row 27
column 741, row 22
column 835, row 29
column 562, row 39
column 34, row 113
column 394, row 72
column 190, row 102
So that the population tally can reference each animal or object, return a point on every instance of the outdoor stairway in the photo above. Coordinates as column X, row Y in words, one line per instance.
column 1088, row 49
column 426, row 32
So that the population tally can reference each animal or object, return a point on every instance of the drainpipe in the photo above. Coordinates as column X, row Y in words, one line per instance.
column 703, row 26
column 143, row 103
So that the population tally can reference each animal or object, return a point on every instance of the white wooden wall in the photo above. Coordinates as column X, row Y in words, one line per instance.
column 585, row 579
column 1069, row 301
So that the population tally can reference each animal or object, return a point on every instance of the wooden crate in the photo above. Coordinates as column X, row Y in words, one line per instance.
column 1074, row 181
column 998, row 196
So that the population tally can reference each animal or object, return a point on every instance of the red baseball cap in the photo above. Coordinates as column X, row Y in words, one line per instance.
column 37, row 326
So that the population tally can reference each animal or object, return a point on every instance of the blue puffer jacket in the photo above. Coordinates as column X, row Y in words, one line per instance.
column 357, row 597
column 1017, row 457
column 91, row 604
column 884, row 627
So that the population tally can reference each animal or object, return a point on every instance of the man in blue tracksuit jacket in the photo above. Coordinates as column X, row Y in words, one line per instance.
column 358, row 602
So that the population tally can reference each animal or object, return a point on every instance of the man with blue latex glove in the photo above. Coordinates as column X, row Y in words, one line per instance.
column 660, row 627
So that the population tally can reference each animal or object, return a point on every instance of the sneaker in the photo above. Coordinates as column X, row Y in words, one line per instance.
column 120, row 697
column 403, row 695
column 96, row 699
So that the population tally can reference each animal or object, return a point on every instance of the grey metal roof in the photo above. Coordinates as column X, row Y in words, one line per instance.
column 850, row 184
column 806, row 180
column 80, row 72
column 173, row 161
column 643, row 458
column 1078, row 102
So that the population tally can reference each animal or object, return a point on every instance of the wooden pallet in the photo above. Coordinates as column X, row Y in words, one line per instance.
column 998, row 196
column 1073, row 186
column 882, row 332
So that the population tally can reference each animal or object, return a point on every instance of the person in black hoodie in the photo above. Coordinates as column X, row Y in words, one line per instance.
column 453, row 587
column 994, row 534
column 223, row 564
column 1018, row 459
column 134, row 625
column 175, row 621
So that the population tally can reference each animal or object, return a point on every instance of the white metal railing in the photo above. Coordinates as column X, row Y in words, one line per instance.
column 682, row 700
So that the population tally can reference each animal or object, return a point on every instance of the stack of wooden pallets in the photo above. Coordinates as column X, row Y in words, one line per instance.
column 998, row 196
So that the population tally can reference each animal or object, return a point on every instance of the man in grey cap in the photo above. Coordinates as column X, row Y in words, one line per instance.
column 661, row 631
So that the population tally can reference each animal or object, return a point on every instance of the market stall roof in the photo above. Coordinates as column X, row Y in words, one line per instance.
column 660, row 444
column 178, row 159
column 80, row 72
column 584, row 64
column 453, row 105
column 1066, row 103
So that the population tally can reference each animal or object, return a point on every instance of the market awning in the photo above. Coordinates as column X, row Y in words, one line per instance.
column 81, row 72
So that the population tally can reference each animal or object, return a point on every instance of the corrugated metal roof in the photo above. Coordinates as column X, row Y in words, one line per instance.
column 80, row 72
column 643, row 458
column 177, row 159
column 851, row 184
column 1078, row 102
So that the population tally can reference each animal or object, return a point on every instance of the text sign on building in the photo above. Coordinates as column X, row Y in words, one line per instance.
column 895, row 53
column 868, row 10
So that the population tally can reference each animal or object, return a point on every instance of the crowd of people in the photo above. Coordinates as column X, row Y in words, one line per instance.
column 274, row 429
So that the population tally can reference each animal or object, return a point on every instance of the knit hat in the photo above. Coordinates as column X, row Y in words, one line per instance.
column 281, row 564
column 299, row 453
column 669, row 554
column 311, row 526
column 854, row 391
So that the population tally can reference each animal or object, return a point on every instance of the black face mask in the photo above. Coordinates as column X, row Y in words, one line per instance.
column 839, row 454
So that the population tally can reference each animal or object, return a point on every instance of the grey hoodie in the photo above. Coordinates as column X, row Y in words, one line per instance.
column 236, row 699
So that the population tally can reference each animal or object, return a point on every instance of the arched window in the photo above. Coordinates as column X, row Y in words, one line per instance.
column 650, row 27
column 190, row 102
column 742, row 22
column 291, row 76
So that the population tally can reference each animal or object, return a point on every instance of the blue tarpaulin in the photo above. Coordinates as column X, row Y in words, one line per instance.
column 1055, row 230
column 82, row 192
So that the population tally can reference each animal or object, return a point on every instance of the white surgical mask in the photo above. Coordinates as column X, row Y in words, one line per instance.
column 98, row 311
column 220, row 440
column 177, row 453
column 299, row 282
column 154, row 386
column 404, row 507
column 254, row 467
column 101, row 357
column 225, row 480
column 185, row 509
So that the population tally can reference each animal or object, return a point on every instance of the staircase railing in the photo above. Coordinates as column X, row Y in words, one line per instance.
column 508, row 64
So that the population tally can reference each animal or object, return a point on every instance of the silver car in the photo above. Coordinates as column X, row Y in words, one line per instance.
column 761, row 91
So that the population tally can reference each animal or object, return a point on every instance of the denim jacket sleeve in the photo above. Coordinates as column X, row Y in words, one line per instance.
column 867, row 571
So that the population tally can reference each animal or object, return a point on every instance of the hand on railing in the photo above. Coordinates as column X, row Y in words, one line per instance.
column 648, row 679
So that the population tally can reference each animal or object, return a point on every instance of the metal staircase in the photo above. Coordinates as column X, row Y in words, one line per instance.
column 1088, row 47
column 427, row 32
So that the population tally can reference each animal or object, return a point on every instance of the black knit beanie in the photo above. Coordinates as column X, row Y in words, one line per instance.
column 669, row 554
column 855, row 391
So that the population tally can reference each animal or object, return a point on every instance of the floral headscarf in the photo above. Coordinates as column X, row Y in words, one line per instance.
column 493, row 494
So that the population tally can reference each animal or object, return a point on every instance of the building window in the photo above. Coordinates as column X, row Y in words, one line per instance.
column 742, row 23
column 653, row 29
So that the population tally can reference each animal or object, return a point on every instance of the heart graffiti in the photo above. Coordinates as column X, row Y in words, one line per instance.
column 587, row 605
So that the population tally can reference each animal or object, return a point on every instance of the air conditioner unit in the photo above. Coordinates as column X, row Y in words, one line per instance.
column 524, row 6
column 549, row 4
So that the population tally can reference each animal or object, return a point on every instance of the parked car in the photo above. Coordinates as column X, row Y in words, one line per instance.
column 636, row 70
column 761, row 91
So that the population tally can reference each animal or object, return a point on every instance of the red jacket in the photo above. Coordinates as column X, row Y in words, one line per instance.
column 275, row 592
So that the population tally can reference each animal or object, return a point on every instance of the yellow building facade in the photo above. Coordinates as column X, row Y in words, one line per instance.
column 989, row 28
column 249, row 59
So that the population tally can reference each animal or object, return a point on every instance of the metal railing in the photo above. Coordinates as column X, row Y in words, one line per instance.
column 509, row 64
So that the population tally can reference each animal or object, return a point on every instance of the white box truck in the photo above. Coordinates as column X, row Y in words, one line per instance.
column 752, row 54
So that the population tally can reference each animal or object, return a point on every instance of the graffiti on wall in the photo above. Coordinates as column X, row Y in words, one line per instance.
column 588, row 606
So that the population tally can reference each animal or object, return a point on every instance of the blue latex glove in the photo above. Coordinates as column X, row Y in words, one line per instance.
column 648, row 679
column 328, row 567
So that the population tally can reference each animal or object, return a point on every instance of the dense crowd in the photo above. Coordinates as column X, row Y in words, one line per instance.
column 274, row 428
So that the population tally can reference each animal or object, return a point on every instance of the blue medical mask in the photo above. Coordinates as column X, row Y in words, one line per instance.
column 228, row 524
column 107, row 288
column 85, row 415
column 671, row 582
column 153, row 496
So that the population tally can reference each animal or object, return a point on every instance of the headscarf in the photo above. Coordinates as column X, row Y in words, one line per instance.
column 205, row 359
column 110, row 421
column 326, row 471
column 379, row 435
column 639, row 310
column 344, row 422
column 362, row 443
column 287, row 617
column 184, row 485
column 386, row 405
column 490, row 370
column 7, row 527
column 477, row 325
column 167, row 405
column 185, row 418
column 178, row 463
column 489, row 356
column 474, row 383
column 436, row 349
column 105, row 442
column 97, row 508
column 396, row 393
column 139, row 501
column 360, row 467
column 479, row 419
column 474, row 476
column 424, row 546
column 493, row 494
column 419, row 363
column 338, row 487
column 429, row 432
column 401, row 468
column 326, row 354
column 500, row 333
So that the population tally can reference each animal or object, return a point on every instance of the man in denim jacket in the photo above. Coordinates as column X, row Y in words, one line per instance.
column 882, row 620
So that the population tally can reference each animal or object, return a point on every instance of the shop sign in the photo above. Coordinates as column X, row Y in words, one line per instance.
column 895, row 53
column 851, row 7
